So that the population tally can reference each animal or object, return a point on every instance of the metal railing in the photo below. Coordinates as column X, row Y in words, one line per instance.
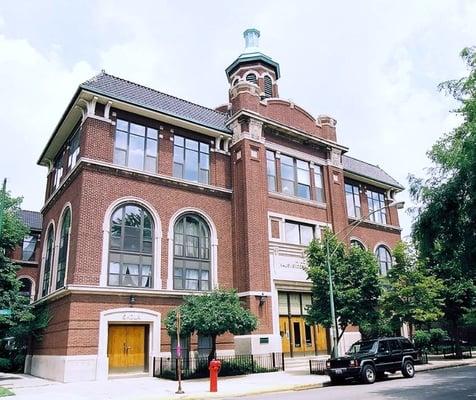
column 317, row 367
column 197, row 367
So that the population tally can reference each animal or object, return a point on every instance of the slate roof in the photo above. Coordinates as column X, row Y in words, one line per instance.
column 367, row 170
column 32, row 219
column 142, row 96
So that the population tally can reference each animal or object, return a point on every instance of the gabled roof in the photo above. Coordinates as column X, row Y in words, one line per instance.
column 142, row 96
column 369, row 171
column 32, row 219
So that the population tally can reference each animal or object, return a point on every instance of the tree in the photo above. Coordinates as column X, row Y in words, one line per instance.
column 212, row 314
column 356, row 284
column 23, row 322
column 445, row 225
column 411, row 294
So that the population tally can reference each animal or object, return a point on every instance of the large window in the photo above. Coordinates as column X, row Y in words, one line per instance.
column 298, row 233
column 63, row 248
column 191, row 253
column 131, row 248
column 29, row 247
column 58, row 170
column 295, row 177
column 26, row 288
column 271, row 170
column 73, row 146
column 191, row 159
column 48, row 261
column 384, row 259
column 352, row 197
column 377, row 209
column 135, row 146
column 319, row 184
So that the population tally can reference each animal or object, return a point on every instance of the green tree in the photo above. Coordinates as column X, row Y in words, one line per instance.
column 445, row 225
column 356, row 284
column 411, row 293
column 212, row 314
column 24, row 322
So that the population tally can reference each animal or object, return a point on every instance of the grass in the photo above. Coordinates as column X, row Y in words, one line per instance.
column 5, row 392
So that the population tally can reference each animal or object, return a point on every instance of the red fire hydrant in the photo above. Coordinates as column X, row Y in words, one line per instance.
column 214, row 368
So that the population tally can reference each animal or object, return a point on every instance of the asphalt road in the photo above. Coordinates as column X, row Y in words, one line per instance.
column 443, row 384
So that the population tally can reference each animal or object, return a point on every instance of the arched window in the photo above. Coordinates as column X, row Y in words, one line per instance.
column 268, row 86
column 384, row 259
column 235, row 82
column 191, row 253
column 130, row 247
column 63, row 248
column 26, row 286
column 357, row 243
column 251, row 78
column 48, row 261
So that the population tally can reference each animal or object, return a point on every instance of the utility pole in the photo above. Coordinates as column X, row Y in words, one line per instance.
column 2, row 205
column 179, row 354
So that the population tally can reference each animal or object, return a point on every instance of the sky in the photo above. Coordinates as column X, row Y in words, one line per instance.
column 372, row 65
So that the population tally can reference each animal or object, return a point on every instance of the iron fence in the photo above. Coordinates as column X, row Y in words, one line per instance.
column 317, row 367
column 197, row 367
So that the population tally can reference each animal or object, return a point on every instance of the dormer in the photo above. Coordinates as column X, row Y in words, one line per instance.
column 253, row 71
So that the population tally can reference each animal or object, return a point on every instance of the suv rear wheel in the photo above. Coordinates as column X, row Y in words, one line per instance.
column 368, row 374
column 408, row 369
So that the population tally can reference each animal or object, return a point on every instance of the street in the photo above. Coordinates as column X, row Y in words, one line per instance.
column 448, row 383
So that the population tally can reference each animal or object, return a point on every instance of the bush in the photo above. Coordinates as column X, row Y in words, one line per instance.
column 422, row 339
column 437, row 335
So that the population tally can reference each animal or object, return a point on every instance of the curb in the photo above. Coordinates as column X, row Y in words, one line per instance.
column 295, row 388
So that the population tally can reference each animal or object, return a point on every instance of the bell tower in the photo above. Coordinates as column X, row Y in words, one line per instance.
column 253, row 71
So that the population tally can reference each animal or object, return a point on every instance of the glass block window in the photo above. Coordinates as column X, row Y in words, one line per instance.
column 297, row 233
column 319, row 184
column 352, row 198
column 377, row 209
column 191, row 160
column 271, row 170
column 48, row 261
column 384, row 260
column 63, row 249
column 131, row 247
column 295, row 303
column 192, row 254
column 295, row 177
column 29, row 247
column 136, row 146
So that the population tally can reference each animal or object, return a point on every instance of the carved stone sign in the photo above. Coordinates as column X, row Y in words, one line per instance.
column 289, row 267
column 131, row 316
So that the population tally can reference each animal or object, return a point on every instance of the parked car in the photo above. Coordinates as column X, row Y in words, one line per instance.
column 368, row 359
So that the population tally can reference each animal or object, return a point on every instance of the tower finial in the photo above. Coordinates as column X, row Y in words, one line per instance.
column 251, row 39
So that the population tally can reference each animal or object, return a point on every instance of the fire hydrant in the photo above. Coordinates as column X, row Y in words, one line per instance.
column 214, row 367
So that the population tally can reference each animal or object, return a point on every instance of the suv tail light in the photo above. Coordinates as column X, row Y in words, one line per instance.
column 328, row 363
column 354, row 363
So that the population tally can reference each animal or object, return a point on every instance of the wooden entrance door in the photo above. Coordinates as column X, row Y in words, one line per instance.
column 285, row 334
column 126, row 347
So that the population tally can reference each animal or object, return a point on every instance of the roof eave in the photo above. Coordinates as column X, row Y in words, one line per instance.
column 373, row 181
column 260, row 57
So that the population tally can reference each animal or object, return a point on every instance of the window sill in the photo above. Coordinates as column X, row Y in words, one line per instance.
column 375, row 225
column 296, row 199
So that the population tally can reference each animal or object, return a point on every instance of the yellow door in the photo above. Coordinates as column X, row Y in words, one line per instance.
column 126, row 347
column 321, row 335
column 285, row 334
column 298, row 340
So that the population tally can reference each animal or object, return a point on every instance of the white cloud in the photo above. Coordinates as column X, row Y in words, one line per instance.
column 35, row 91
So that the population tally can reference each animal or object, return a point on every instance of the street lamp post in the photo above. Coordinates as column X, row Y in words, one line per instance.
column 353, row 225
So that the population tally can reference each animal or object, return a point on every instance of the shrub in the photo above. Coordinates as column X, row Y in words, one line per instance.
column 422, row 339
column 437, row 335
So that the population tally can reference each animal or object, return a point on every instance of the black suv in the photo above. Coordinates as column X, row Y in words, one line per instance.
column 368, row 359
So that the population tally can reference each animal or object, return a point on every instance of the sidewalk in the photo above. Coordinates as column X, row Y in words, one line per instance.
column 27, row 387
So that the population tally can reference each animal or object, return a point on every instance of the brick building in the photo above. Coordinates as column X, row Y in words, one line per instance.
column 150, row 197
